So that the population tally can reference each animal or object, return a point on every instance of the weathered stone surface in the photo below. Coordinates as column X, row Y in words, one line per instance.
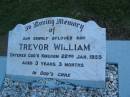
column 60, row 48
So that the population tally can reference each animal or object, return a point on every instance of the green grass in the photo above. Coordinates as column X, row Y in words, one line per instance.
column 107, row 13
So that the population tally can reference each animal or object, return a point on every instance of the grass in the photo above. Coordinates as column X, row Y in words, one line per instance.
column 112, row 14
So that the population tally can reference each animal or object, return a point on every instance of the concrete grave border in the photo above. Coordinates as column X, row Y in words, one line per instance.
column 2, row 69
column 119, row 52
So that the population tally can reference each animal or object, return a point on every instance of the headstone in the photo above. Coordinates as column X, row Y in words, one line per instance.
column 59, row 48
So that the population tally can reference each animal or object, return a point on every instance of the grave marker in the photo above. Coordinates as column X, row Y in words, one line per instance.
column 61, row 48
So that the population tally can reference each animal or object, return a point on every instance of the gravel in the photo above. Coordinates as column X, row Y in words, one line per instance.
column 39, row 89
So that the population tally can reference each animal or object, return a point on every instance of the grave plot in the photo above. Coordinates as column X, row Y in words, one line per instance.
column 81, row 54
column 39, row 88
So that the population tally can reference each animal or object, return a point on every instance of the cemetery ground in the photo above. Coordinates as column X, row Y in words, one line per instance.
column 39, row 89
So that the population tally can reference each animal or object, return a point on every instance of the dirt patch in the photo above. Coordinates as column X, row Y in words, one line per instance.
column 3, row 44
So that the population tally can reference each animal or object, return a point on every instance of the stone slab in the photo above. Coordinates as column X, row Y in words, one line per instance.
column 58, row 47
